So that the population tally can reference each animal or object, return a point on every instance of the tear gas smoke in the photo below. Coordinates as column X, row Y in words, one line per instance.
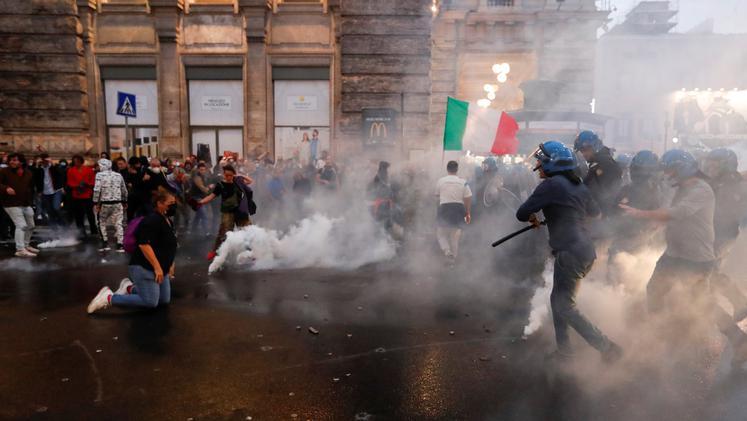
column 318, row 241
column 540, row 302
column 61, row 242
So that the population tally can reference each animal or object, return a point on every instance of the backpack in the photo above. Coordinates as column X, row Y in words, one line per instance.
column 130, row 236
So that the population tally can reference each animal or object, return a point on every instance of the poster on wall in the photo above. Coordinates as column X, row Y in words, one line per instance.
column 298, row 143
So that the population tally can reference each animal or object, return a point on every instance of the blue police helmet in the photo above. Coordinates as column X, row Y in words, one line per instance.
column 726, row 158
column 624, row 160
column 682, row 163
column 554, row 157
column 588, row 139
column 490, row 163
column 644, row 164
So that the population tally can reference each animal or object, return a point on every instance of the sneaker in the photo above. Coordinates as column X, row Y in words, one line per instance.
column 211, row 255
column 100, row 301
column 104, row 247
column 613, row 354
column 120, row 248
column 32, row 249
column 124, row 286
column 25, row 253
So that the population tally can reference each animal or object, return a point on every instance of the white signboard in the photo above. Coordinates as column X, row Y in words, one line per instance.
column 216, row 103
column 302, row 103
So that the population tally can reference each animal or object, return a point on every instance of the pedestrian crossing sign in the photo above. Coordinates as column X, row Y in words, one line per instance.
column 126, row 105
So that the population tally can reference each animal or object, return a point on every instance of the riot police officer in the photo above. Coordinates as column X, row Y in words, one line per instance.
column 566, row 203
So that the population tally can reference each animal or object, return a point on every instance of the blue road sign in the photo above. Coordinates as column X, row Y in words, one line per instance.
column 126, row 105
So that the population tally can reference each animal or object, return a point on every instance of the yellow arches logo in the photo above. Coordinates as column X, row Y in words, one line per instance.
column 378, row 130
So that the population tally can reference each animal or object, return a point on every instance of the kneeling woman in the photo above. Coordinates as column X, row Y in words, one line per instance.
column 156, row 248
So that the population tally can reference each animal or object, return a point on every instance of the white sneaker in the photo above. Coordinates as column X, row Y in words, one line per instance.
column 24, row 253
column 100, row 301
column 32, row 249
column 123, row 285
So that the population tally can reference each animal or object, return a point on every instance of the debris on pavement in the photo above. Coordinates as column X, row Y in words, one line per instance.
column 314, row 331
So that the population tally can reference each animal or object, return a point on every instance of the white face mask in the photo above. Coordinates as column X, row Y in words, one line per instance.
column 155, row 170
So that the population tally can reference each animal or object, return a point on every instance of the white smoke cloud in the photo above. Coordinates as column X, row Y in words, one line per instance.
column 61, row 242
column 317, row 241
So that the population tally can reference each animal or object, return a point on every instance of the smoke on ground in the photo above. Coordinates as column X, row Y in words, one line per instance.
column 318, row 241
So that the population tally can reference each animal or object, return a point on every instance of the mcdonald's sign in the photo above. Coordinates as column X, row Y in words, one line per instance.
column 379, row 126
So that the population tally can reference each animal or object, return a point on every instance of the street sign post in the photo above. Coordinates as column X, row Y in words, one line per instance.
column 127, row 107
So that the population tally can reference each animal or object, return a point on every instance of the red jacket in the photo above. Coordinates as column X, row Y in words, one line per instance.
column 81, row 181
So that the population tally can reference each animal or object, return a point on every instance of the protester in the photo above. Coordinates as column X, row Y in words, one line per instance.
column 454, row 205
column 198, row 191
column 110, row 199
column 236, row 204
column 327, row 176
column 49, row 179
column 151, row 267
column 80, row 180
column 16, row 197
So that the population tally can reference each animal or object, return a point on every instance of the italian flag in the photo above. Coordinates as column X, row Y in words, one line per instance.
column 478, row 129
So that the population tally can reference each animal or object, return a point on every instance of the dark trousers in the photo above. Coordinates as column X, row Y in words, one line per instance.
column 569, row 270
column 83, row 209
column 52, row 206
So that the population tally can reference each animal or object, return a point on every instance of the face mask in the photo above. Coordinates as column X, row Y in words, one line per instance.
column 171, row 211
column 154, row 170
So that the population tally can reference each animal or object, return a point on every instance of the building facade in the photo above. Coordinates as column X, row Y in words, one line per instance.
column 254, row 76
column 667, row 90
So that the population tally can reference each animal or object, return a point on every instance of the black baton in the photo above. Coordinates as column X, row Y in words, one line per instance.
column 512, row 235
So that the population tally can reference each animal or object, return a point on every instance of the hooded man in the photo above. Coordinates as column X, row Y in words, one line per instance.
column 110, row 198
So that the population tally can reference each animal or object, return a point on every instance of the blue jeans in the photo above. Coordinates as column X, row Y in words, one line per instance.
column 145, row 291
column 200, row 221
column 569, row 270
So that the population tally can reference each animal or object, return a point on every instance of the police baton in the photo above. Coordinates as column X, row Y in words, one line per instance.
column 517, row 233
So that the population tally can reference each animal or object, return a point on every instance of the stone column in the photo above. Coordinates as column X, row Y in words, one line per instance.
column 86, row 11
column 172, row 141
column 257, row 127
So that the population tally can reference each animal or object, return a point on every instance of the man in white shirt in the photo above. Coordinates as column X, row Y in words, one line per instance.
column 454, row 206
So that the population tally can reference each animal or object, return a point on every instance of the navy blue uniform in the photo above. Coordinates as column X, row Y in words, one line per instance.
column 566, row 207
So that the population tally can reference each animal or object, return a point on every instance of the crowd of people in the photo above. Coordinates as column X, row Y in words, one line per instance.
column 590, row 202
column 99, row 196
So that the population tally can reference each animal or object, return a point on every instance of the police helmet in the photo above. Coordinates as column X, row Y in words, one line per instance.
column 588, row 139
column 725, row 158
column 554, row 157
column 682, row 163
